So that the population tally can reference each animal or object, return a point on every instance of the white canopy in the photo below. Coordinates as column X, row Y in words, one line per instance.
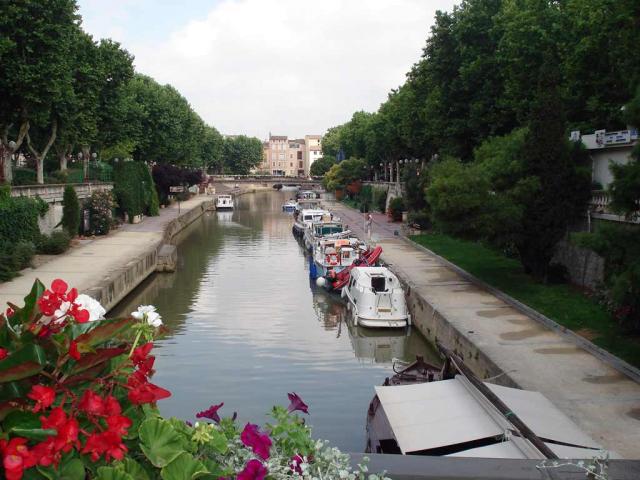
column 449, row 412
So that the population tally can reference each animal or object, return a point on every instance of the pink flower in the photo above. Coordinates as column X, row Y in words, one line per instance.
column 297, row 404
column 259, row 442
column 211, row 413
column 296, row 461
column 253, row 470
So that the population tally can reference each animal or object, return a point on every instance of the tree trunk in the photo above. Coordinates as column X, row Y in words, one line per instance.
column 40, row 156
column 6, row 152
column 62, row 156
column 85, row 162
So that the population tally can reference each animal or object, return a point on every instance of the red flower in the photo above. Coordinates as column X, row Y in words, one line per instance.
column 73, row 350
column 46, row 453
column 211, row 413
column 106, row 443
column 91, row 403
column 140, row 353
column 146, row 393
column 259, row 442
column 253, row 470
column 112, row 406
column 43, row 396
column 3, row 353
column 66, row 438
column 296, row 403
column 118, row 424
column 59, row 287
column 16, row 457
column 56, row 419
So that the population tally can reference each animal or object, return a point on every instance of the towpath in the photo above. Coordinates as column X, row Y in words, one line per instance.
column 602, row 401
column 89, row 263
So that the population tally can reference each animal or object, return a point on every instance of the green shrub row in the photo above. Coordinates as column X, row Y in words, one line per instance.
column 135, row 190
column 19, row 217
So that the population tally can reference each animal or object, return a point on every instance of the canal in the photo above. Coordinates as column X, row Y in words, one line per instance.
column 246, row 326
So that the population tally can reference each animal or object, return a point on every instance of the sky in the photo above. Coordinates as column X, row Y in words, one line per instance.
column 286, row 67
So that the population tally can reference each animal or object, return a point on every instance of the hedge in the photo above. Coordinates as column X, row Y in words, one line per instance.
column 134, row 189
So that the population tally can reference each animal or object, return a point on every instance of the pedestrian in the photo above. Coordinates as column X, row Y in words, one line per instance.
column 367, row 224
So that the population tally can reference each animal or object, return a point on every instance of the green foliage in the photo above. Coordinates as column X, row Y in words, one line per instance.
column 343, row 174
column 379, row 199
column 101, row 206
column 19, row 219
column 55, row 244
column 70, row 211
column 23, row 176
column 240, row 154
column 14, row 257
column 321, row 165
column 134, row 189
column 396, row 207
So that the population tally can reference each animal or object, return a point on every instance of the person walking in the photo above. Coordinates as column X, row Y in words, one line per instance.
column 367, row 224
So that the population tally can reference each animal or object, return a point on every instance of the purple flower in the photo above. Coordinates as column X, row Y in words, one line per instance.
column 297, row 404
column 253, row 470
column 296, row 461
column 259, row 442
column 211, row 413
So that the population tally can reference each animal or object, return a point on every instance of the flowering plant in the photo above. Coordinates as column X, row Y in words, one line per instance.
column 76, row 402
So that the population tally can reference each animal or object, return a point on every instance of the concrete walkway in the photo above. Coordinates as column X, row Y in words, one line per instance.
column 90, row 263
column 598, row 398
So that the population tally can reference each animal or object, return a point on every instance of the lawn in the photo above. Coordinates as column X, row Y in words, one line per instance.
column 563, row 303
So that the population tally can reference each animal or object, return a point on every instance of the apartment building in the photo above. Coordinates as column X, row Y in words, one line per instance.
column 291, row 158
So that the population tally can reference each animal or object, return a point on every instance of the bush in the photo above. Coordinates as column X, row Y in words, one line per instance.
column 24, row 176
column 14, row 257
column 19, row 217
column 420, row 218
column 396, row 207
column 100, row 206
column 56, row 243
column 134, row 189
column 70, row 211
column 23, row 252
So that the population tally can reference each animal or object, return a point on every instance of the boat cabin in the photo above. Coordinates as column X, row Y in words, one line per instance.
column 224, row 202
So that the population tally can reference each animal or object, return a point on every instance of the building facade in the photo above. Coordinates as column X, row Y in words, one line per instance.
column 282, row 156
column 606, row 148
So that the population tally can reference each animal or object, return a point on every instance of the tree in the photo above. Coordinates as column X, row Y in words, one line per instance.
column 321, row 166
column 70, row 211
column 240, row 154
column 212, row 145
column 37, row 52
column 564, row 187
column 345, row 173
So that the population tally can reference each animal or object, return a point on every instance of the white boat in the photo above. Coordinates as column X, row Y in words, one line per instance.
column 306, row 217
column 307, row 195
column 326, row 227
column 334, row 254
column 290, row 206
column 376, row 298
column 224, row 202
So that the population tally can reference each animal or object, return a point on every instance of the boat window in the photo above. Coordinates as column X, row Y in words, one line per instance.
column 378, row 284
column 330, row 229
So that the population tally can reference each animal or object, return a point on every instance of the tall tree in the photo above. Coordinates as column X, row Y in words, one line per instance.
column 34, row 52
column 241, row 153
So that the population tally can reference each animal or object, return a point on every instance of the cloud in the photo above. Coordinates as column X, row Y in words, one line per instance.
column 291, row 67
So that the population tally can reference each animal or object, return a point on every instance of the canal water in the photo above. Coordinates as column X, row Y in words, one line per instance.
column 246, row 326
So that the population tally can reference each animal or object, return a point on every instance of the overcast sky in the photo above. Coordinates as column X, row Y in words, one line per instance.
column 289, row 67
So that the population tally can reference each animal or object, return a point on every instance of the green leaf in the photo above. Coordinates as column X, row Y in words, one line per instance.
column 24, row 363
column 160, row 443
column 134, row 469
column 30, row 300
column 219, row 441
column 21, row 419
column 184, row 467
column 72, row 469
column 92, row 359
column 11, row 390
column 106, row 330
column 110, row 473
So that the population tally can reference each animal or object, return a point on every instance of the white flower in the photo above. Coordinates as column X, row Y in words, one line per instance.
column 60, row 314
column 148, row 313
column 96, row 311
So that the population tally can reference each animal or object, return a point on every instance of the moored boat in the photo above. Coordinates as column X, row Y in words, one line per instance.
column 290, row 206
column 376, row 298
column 224, row 202
column 305, row 218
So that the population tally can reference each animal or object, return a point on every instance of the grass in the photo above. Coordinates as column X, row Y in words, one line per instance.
column 563, row 303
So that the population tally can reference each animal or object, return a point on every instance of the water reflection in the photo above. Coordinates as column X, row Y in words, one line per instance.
column 247, row 326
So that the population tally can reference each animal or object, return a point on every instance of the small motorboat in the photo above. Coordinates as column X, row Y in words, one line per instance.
column 290, row 206
column 305, row 218
column 337, row 280
column 376, row 298
column 224, row 202
column 326, row 227
column 334, row 253
column 307, row 195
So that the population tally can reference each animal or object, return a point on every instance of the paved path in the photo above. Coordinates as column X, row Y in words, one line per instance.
column 601, row 400
column 88, row 263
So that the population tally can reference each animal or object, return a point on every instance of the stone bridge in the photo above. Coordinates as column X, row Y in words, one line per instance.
column 265, row 180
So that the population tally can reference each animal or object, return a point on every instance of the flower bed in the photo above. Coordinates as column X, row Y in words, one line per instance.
column 77, row 401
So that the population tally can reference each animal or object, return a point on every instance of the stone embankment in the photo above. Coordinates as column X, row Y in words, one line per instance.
column 510, row 344
column 110, row 267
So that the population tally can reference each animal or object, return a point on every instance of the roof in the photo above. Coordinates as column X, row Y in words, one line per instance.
column 450, row 412
column 368, row 271
column 278, row 137
column 317, row 137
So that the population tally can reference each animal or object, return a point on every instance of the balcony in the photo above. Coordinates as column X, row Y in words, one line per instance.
column 599, row 208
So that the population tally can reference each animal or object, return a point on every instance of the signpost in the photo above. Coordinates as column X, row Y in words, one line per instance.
column 177, row 189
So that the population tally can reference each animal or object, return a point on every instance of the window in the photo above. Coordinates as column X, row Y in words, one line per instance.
column 281, row 156
column 300, row 165
column 378, row 284
column 290, row 164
